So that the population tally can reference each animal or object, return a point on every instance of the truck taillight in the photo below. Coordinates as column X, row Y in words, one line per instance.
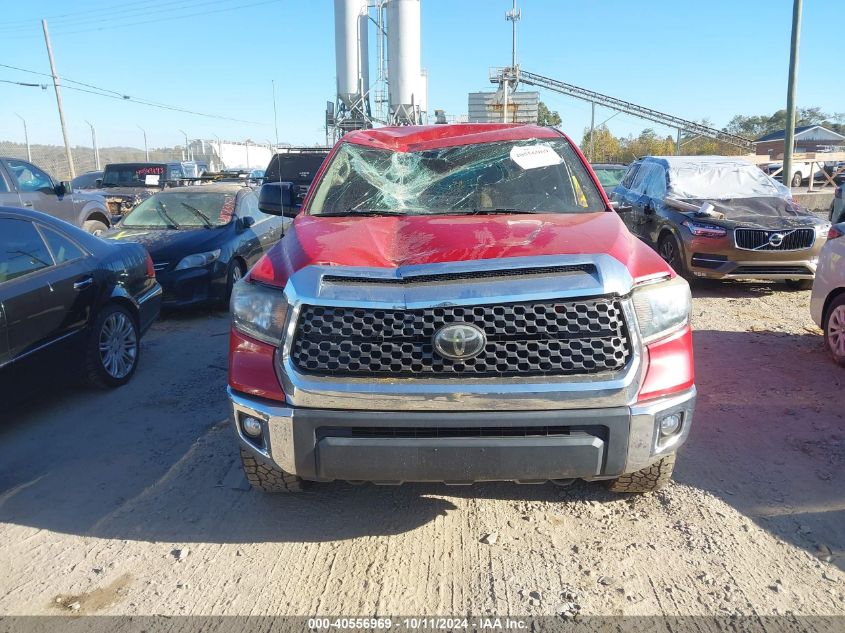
column 151, row 269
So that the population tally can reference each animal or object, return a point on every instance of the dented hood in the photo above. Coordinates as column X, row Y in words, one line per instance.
column 390, row 242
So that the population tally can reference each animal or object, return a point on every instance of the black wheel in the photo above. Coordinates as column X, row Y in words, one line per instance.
column 797, row 179
column 236, row 271
column 799, row 284
column 112, row 349
column 94, row 227
column 646, row 480
column 269, row 478
column 834, row 329
column 669, row 249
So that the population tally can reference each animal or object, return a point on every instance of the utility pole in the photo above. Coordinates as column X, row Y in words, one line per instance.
column 678, row 144
column 513, row 17
column 219, row 167
column 146, row 151
column 25, row 137
column 592, row 128
column 275, row 118
column 94, row 143
column 247, row 153
column 58, row 86
column 789, row 133
column 187, row 155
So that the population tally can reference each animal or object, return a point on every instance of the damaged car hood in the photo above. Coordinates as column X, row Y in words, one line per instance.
column 770, row 213
column 390, row 242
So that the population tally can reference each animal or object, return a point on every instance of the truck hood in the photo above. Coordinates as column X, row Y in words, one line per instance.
column 391, row 242
column 136, row 193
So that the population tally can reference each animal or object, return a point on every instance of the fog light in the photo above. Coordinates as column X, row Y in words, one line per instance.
column 251, row 426
column 671, row 424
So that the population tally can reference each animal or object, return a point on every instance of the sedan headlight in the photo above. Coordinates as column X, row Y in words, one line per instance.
column 662, row 307
column 198, row 260
column 259, row 311
column 705, row 230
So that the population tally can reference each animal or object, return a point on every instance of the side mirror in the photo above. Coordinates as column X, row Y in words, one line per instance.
column 621, row 206
column 247, row 222
column 277, row 198
column 98, row 183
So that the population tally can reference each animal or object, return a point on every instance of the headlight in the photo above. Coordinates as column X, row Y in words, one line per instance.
column 662, row 308
column 259, row 311
column 705, row 230
column 197, row 260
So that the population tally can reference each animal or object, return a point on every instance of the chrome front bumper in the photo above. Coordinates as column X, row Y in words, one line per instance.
column 322, row 445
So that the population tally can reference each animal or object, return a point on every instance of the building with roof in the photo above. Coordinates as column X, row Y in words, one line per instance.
column 808, row 138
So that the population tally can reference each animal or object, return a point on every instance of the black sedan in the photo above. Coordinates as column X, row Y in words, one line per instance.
column 65, row 294
column 202, row 239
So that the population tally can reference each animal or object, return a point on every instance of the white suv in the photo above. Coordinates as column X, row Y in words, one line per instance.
column 827, row 302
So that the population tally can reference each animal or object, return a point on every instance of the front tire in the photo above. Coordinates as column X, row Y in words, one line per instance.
column 269, row 478
column 797, row 179
column 235, row 273
column 646, row 480
column 669, row 249
column 834, row 330
column 94, row 227
column 112, row 349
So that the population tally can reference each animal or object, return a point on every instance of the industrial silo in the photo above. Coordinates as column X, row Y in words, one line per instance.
column 403, row 60
column 351, row 53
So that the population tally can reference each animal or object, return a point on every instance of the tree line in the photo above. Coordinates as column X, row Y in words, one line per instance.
column 606, row 147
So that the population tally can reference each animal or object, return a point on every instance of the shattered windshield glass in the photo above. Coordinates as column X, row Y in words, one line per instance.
column 531, row 175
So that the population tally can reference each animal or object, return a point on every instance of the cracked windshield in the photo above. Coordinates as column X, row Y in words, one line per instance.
column 526, row 176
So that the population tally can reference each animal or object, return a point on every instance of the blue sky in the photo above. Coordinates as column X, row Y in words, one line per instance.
column 708, row 59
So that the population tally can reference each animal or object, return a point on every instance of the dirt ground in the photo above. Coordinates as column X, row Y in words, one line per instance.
column 132, row 501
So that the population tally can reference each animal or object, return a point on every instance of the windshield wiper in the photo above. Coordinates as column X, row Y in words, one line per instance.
column 171, row 223
column 370, row 213
column 198, row 213
column 497, row 210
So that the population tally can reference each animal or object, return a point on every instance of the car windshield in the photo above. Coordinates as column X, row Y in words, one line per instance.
column 182, row 210
column 721, row 180
column 139, row 175
column 527, row 176
column 609, row 176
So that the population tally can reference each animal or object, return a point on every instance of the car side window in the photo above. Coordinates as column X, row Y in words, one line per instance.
column 628, row 180
column 29, row 177
column 248, row 208
column 655, row 185
column 22, row 251
column 638, row 184
column 63, row 249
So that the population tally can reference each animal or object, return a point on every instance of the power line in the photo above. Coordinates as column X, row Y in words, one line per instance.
column 166, row 18
column 113, row 94
column 75, row 21
column 21, row 83
column 75, row 13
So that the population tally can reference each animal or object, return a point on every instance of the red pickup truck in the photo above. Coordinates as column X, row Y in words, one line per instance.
column 459, row 303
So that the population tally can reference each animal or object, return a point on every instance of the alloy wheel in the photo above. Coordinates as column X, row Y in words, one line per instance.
column 836, row 332
column 667, row 251
column 118, row 345
column 236, row 274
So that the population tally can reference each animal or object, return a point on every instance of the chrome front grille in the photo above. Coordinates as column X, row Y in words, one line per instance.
column 762, row 240
column 578, row 337
column 160, row 266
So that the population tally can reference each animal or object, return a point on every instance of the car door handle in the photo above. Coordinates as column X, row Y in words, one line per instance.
column 84, row 283
column 27, row 204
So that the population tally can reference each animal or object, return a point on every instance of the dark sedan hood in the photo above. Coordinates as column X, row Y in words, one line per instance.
column 171, row 245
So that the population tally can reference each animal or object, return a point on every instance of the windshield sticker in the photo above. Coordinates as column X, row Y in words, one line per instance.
column 534, row 156
column 151, row 179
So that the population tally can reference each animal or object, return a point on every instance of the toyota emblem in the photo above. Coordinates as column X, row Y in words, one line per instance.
column 459, row 341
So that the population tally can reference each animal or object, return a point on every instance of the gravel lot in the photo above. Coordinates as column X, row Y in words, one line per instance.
column 132, row 502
